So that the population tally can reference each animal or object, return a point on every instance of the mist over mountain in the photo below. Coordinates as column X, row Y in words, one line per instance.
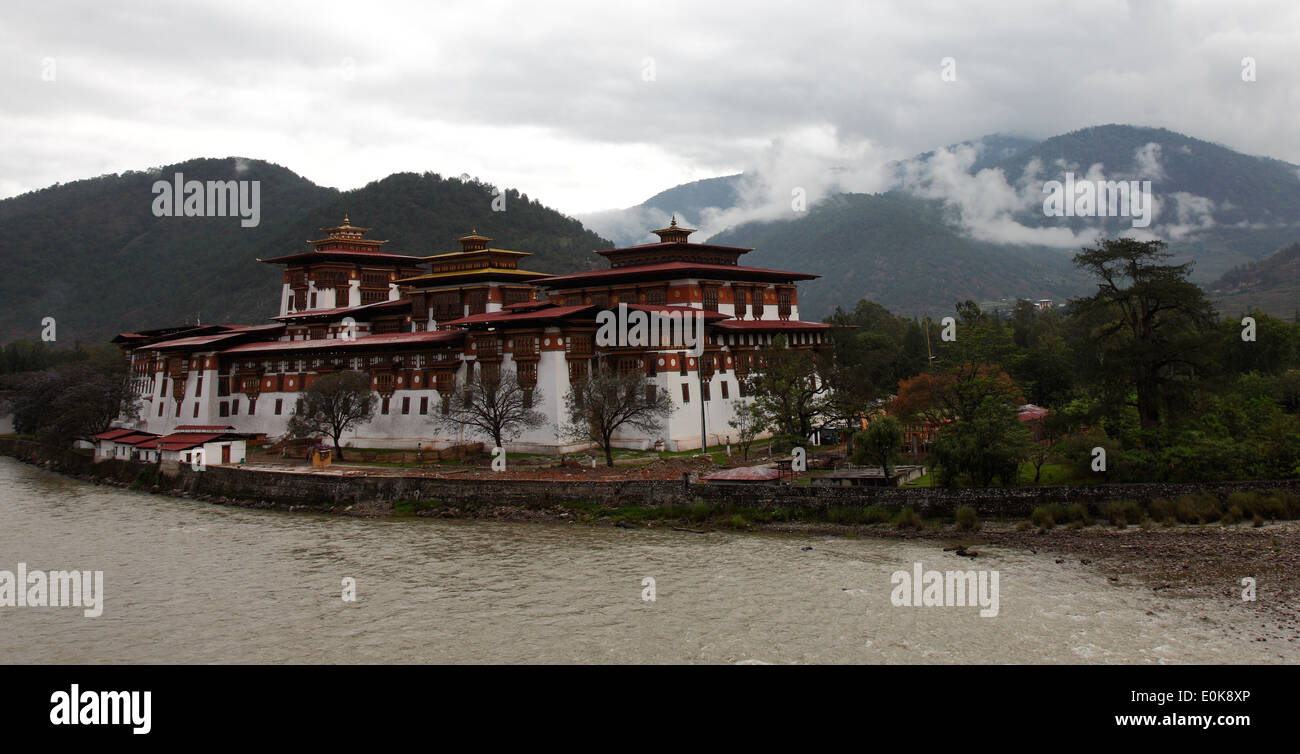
column 901, row 251
column 1215, row 207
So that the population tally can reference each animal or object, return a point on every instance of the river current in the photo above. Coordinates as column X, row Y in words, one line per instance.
column 193, row 582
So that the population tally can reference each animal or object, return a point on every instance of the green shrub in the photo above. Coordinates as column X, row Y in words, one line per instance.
column 1233, row 515
column 1198, row 508
column 966, row 519
column 1042, row 517
column 857, row 514
column 908, row 519
column 1078, row 513
column 1121, row 513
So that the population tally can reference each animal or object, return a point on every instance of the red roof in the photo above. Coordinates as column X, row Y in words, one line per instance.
column 113, row 434
column 187, row 440
column 794, row 325
column 327, row 254
column 204, row 428
column 343, row 310
column 675, row 244
column 361, row 341
column 1029, row 412
column 745, row 474
column 550, row 312
column 679, row 269
column 196, row 343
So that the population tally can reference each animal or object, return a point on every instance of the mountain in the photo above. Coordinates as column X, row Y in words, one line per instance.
column 1271, row 284
column 92, row 254
column 695, row 202
column 1215, row 207
column 990, row 151
column 689, row 202
column 1218, row 208
column 901, row 251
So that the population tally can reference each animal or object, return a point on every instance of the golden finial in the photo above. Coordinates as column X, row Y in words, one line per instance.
column 673, row 224
column 346, row 221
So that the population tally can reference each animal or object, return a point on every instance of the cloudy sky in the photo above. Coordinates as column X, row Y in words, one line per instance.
column 592, row 105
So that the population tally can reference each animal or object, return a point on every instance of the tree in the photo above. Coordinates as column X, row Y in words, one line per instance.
column 605, row 401
column 988, row 444
column 74, row 401
column 786, row 388
column 954, row 395
column 334, row 404
column 749, row 424
column 495, row 405
column 880, row 443
column 1146, row 322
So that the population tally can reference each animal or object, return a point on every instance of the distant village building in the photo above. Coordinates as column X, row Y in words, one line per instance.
column 421, row 326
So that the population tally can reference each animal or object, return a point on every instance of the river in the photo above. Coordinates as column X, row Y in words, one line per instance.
column 193, row 582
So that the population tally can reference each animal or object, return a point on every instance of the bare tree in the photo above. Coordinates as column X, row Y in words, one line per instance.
column 332, row 405
column 749, row 423
column 604, row 401
column 494, row 405
column 74, row 401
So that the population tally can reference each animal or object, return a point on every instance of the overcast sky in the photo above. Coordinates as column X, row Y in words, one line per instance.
column 595, row 105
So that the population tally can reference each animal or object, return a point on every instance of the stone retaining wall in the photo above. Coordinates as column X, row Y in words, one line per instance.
column 326, row 490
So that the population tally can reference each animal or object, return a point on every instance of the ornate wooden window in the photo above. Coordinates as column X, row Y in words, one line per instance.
column 656, row 296
column 741, row 297
column 525, row 346
column 477, row 300
column 710, row 297
column 783, row 303
column 515, row 296
column 527, row 374
column 487, row 346
column 447, row 305
column 578, row 344
column 577, row 371
column 757, row 304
